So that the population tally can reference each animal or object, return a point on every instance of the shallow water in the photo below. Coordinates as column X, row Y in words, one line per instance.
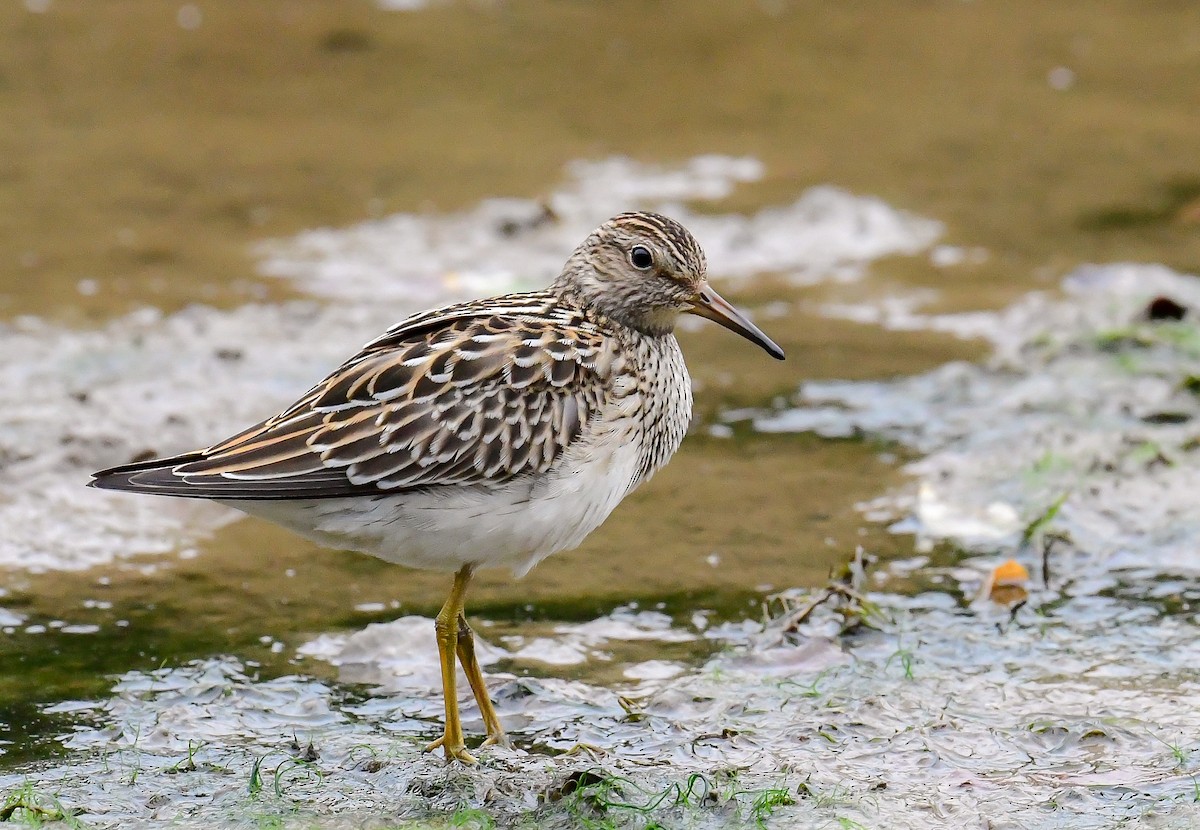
column 159, row 654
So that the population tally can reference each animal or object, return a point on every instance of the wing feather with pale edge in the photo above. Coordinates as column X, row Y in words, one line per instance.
column 472, row 394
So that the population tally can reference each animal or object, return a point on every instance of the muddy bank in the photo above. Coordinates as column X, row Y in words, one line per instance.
column 936, row 719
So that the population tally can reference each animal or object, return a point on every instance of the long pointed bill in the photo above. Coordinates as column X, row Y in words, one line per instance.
column 712, row 305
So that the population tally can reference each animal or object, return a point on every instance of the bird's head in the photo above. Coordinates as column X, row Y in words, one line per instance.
column 643, row 270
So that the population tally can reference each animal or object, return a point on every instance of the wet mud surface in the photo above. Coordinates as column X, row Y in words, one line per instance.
column 907, row 213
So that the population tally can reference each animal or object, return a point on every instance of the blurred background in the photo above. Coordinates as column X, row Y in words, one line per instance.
column 148, row 150
column 146, row 145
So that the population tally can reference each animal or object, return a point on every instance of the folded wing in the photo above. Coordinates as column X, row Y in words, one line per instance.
column 469, row 399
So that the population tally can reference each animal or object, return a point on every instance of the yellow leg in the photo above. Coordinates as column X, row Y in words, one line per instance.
column 446, row 626
column 466, row 656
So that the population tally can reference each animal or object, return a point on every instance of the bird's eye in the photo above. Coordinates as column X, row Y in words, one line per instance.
column 641, row 257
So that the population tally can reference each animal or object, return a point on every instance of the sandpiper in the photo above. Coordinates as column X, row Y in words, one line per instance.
column 488, row 433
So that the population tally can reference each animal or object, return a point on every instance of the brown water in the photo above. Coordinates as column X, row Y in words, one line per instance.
column 147, row 158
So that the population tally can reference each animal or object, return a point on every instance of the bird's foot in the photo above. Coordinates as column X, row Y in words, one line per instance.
column 497, row 738
column 456, row 751
column 590, row 750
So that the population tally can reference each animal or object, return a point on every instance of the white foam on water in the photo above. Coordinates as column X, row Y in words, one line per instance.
column 577, row 643
column 74, row 401
column 826, row 234
column 654, row 670
column 1083, row 399
column 394, row 656
column 402, row 654
column 625, row 624
column 1080, row 705
column 167, row 710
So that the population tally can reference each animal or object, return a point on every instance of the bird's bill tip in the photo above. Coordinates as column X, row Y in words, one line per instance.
column 712, row 305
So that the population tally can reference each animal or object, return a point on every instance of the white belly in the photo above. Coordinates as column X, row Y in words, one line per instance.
column 443, row 529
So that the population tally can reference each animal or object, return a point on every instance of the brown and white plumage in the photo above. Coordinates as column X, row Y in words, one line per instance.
column 477, row 393
column 488, row 433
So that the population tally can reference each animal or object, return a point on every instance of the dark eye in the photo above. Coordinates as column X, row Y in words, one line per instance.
column 641, row 257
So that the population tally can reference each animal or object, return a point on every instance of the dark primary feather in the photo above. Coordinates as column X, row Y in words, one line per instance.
column 478, row 393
